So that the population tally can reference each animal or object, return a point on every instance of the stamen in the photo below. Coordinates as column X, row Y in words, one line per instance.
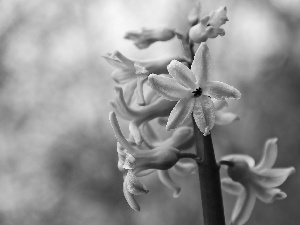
column 198, row 92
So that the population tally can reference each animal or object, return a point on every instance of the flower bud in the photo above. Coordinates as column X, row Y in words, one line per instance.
column 145, row 37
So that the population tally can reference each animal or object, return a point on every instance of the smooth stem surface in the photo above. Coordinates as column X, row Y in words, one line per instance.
column 209, row 176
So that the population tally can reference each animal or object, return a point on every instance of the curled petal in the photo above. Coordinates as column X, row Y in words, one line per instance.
column 215, row 32
column 133, row 185
column 123, row 76
column 117, row 109
column 182, row 74
column 142, row 76
column 220, row 104
column 182, row 168
column 269, row 156
column 118, row 133
column 130, row 198
column 220, row 90
column 273, row 177
column 182, row 138
column 204, row 114
column 180, row 113
column 159, row 65
column 268, row 195
column 143, row 173
column 166, row 179
column 231, row 187
column 218, row 17
column 168, row 88
column 224, row 118
column 118, row 60
column 243, row 207
column 239, row 157
column 135, row 132
column 201, row 66
column 128, row 91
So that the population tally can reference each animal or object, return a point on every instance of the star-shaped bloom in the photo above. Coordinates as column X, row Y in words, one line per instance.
column 145, row 37
column 193, row 90
column 249, row 181
column 209, row 26
column 132, row 74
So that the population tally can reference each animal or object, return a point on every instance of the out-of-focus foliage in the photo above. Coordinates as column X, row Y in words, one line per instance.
column 58, row 159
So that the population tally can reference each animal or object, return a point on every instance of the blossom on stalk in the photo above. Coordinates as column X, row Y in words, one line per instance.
column 193, row 90
column 142, row 115
column 209, row 26
column 132, row 74
column 249, row 181
column 145, row 37
column 139, row 162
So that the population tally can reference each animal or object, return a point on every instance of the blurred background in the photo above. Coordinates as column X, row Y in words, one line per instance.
column 58, row 159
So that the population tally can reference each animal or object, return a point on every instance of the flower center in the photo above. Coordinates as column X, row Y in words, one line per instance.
column 198, row 92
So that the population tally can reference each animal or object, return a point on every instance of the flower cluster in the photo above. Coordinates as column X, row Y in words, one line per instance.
column 177, row 92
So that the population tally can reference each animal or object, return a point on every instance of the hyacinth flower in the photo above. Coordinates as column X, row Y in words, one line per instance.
column 132, row 74
column 142, row 162
column 193, row 90
column 145, row 37
column 208, row 26
column 249, row 181
column 137, row 117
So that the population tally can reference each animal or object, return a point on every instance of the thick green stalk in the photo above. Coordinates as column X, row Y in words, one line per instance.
column 209, row 176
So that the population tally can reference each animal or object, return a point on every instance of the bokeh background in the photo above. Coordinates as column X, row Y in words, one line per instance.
column 58, row 159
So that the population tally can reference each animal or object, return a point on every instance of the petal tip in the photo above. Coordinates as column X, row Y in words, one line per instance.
column 177, row 193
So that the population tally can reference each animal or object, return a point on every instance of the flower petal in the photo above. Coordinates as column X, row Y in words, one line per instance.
column 268, row 195
column 220, row 90
column 118, row 133
column 231, row 187
column 218, row 17
column 128, row 91
column 123, row 76
column 204, row 114
column 133, row 185
column 239, row 157
column 130, row 198
column 220, row 104
column 135, row 132
column 180, row 113
column 243, row 207
column 166, row 179
column 201, row 66
column 273, row 177
column 224, row 118
column 269, row 156
column 183, row 168
column 168, row 88
column 182, row 74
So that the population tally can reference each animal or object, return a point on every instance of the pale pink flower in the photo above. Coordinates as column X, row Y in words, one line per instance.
column 249, row 181
column 193, row 90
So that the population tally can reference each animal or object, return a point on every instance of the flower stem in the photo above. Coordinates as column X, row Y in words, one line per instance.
column 209, row 177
